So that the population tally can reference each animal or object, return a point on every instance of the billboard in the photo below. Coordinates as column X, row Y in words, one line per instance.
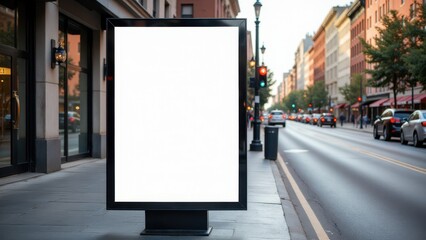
column 176, row 121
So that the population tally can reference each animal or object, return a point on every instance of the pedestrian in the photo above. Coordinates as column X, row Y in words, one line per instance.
column 365, row 120
column 353, row 119
column 342, row 118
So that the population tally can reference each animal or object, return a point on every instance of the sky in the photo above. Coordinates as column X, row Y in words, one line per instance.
column 283, row 25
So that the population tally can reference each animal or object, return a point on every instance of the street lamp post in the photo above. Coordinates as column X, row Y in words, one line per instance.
column 256, row 144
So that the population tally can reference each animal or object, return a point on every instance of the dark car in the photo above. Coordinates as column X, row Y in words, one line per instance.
column 389, row 123
column 327, row 119
column 73, row 121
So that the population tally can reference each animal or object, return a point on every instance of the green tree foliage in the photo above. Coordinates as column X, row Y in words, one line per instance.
column 265, row 93
column 351, row 91
column 386, row 57
column 319, row 95
column 415, row 34
column 294, row 97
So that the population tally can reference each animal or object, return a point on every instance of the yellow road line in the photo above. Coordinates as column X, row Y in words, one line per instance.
column 393, row 161
column 319, row 230
column 380, row 157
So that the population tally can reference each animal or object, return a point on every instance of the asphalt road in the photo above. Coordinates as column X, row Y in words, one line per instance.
column 359, row 187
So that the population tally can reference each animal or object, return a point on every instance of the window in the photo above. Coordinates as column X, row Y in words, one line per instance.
column 412, row 11
column 187, row 11
column 402, row 2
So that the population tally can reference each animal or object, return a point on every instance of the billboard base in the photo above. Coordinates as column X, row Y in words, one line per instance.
column 177, row 223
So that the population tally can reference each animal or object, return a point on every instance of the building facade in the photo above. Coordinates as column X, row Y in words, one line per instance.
column 303, row 47
column 55, row 113
column 343, row 26
column 309, row 67
column 332, row 43
column 207, row 9
column 319, row 55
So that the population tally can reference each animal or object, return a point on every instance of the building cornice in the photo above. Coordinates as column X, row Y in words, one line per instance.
column 342, row 18
column 355, row 8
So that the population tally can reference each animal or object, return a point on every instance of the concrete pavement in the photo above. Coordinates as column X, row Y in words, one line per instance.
column 70, row 204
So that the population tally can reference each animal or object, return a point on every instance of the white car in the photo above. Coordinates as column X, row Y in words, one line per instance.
column 277, row 117
column 414, row 129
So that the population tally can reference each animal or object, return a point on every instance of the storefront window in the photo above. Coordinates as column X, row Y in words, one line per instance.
column 7, row 25
column 74, row 97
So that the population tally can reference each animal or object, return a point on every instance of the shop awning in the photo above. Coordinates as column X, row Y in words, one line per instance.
column 420, row 98
column 379, row 102
column 341, row 105
column 355, row 105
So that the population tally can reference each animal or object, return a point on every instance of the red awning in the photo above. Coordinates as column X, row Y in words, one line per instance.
column 342, row 105
column 420, row 98
column 355, row 105
column 379, row 102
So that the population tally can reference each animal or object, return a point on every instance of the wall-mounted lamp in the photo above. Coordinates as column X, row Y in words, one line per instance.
column 59, row 55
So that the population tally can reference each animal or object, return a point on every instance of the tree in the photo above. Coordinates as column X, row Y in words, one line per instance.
column 319, row 95
column 265, row 93
column 351, row 91
column 415, row 59
column 294, row 98
column 386, row 57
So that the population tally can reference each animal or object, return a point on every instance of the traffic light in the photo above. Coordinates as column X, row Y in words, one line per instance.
column 310, row 105
column 293, row 105
column 263, row 73
column 359, row 99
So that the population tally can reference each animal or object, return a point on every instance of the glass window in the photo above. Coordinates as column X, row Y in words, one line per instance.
column 187, row 11
column 7, row 25
column 74, row 93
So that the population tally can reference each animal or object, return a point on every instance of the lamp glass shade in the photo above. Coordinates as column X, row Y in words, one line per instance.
column 60, row 55
column 262, row 49
column 252, row 63
column 257, row 7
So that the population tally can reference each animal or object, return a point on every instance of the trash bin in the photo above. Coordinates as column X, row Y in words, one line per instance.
column 271, row 142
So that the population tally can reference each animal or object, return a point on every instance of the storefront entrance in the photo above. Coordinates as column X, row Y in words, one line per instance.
column 14, row 156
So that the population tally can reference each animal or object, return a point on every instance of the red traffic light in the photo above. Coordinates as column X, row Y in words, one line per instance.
column 263, row 71
column 359, row 99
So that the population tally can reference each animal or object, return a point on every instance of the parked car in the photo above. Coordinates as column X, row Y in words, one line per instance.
column 314, row 119
column 414, row 128
column 73, row 121
column 277, row 117
column 389, row 123
column 327, row 119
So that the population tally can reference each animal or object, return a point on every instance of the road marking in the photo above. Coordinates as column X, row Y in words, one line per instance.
column 377, row 156
column 295, row 150
column 393, row 161
column 319, row 230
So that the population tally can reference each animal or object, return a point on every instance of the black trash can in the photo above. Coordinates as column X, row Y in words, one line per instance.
column 271, row 142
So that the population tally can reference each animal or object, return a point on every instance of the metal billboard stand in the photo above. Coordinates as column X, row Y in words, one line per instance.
column 170, row 185
column 177, row 223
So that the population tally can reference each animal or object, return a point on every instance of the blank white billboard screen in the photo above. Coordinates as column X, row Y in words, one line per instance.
column 176, row 114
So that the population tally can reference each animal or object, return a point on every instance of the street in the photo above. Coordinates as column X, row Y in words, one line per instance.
column 358, row 187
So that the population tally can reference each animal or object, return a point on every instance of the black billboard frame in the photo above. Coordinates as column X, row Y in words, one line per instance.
column 241, row 204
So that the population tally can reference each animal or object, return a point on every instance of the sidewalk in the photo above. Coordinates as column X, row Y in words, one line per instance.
column 70, row 204
column 351, row 126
